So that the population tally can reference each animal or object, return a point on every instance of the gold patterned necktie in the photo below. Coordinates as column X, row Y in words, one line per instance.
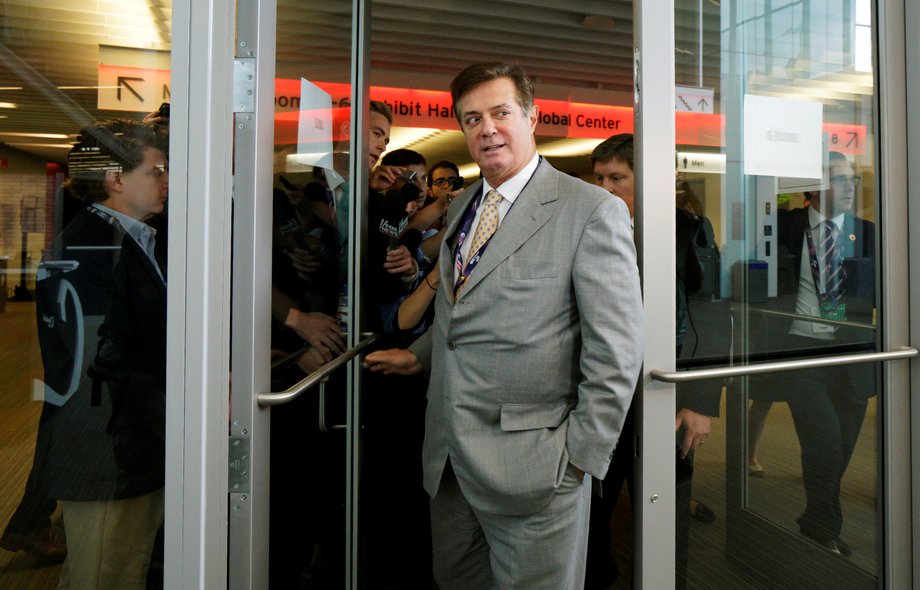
column 488, row 222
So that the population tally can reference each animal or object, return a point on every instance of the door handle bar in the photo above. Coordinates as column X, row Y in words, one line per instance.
column 294, row 391
column 903, row 352
column 323, row 427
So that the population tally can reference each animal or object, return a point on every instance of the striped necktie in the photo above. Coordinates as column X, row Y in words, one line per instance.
column 831, row 263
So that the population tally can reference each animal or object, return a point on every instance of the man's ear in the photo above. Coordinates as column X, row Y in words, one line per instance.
column 534, row 116
column 113, row 180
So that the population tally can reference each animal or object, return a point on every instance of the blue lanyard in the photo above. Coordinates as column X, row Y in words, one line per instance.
column 463, row 272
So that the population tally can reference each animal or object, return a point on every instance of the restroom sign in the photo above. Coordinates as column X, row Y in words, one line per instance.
column 123, row 88
column 706, row 163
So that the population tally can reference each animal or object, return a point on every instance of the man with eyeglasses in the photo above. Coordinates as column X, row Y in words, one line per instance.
column 100, row 445
column 832, row 254
column 443, row 179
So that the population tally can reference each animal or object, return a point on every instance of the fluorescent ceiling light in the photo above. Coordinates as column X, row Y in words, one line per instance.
column 406, row 137
column 37, row 135
column 568, row 148
column 83, row 87
column 10, row 87
column 8, row 105
column 470, row 172
column 63, row 146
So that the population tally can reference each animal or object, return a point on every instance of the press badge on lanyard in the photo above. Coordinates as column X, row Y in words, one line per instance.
column 831, row 305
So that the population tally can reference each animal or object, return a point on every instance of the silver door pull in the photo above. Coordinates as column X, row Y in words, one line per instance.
column 293, row 392
column 903, row 352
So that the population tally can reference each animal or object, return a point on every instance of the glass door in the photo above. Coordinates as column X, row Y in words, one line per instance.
column 294, row 442
column 782, row 327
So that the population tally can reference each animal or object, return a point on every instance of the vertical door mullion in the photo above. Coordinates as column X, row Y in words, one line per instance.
column 654, row 502
column 253, row 128
column 360, row 88
column 198, row 297
column 895, row 82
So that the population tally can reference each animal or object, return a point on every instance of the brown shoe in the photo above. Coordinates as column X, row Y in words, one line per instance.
column 39, row 545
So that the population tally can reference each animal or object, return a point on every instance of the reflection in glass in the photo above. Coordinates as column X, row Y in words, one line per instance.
column 795, row 458
column 80, row 446
column 312, row 210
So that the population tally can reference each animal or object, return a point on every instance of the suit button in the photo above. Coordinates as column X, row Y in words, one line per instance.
column 451, row 346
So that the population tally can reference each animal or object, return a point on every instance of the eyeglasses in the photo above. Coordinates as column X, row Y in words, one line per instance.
column 159, row 171
column 844, row 180
column 444, row 182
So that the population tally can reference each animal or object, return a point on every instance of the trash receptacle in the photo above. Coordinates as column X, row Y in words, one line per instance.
column 749, row 281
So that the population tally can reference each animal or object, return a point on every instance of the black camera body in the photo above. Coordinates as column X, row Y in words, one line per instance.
column 408, row 175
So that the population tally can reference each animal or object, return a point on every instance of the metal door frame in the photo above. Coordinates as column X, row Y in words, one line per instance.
column 198, row 327
column 199, row 296
column 653, row 81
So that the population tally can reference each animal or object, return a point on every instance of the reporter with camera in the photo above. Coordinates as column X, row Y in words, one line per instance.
column 398, row 188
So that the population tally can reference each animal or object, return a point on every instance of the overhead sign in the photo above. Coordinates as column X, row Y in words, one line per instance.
column 132, row 89
column 690, row 99
column 701, row 162
column 127, row 87
column 846, row 138
column 132, row 79
column 434, row 109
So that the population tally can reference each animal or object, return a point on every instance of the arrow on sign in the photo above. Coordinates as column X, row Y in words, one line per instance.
column 702, row 104
column 123, row 81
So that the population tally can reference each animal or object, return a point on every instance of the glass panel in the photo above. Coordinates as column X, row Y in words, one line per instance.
column 313, row 205
column 776, row 174
column 83, row 292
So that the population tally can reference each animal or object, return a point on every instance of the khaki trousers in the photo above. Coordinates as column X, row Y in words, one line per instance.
column 109, row 543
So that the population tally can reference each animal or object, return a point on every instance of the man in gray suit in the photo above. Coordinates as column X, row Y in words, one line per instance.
column 533, row 356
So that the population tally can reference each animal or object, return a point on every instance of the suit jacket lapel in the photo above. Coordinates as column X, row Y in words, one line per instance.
column 523, row 220
column 144, row 261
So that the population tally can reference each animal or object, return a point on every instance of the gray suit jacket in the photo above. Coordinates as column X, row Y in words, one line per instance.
column 535, row 364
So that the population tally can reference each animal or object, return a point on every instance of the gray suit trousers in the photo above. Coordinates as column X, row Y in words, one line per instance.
column 475, row 550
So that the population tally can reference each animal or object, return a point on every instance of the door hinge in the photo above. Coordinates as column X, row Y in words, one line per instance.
column 244, row 84
column 238, row 479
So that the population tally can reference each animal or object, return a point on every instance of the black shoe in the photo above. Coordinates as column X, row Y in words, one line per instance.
column 701, row 512
column 836, row 545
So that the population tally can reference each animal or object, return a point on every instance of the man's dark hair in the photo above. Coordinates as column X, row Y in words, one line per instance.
column 382, row 108
column 477, row 73
column 442, row 164
column 116, row 145
column 403, row 157
column 616, row 146
column 836, row 157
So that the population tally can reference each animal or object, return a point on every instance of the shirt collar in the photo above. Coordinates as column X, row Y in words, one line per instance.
column 511, row 188
column 333, row 178
column 138, row 230
column 816, row 218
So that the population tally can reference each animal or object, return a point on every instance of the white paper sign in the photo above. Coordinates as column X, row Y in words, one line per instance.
column 782, row 137
column 314, row 126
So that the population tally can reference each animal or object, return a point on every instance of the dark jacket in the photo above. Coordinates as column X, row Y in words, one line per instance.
column 74, row 457
column 858, row 244
column 131, row 365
